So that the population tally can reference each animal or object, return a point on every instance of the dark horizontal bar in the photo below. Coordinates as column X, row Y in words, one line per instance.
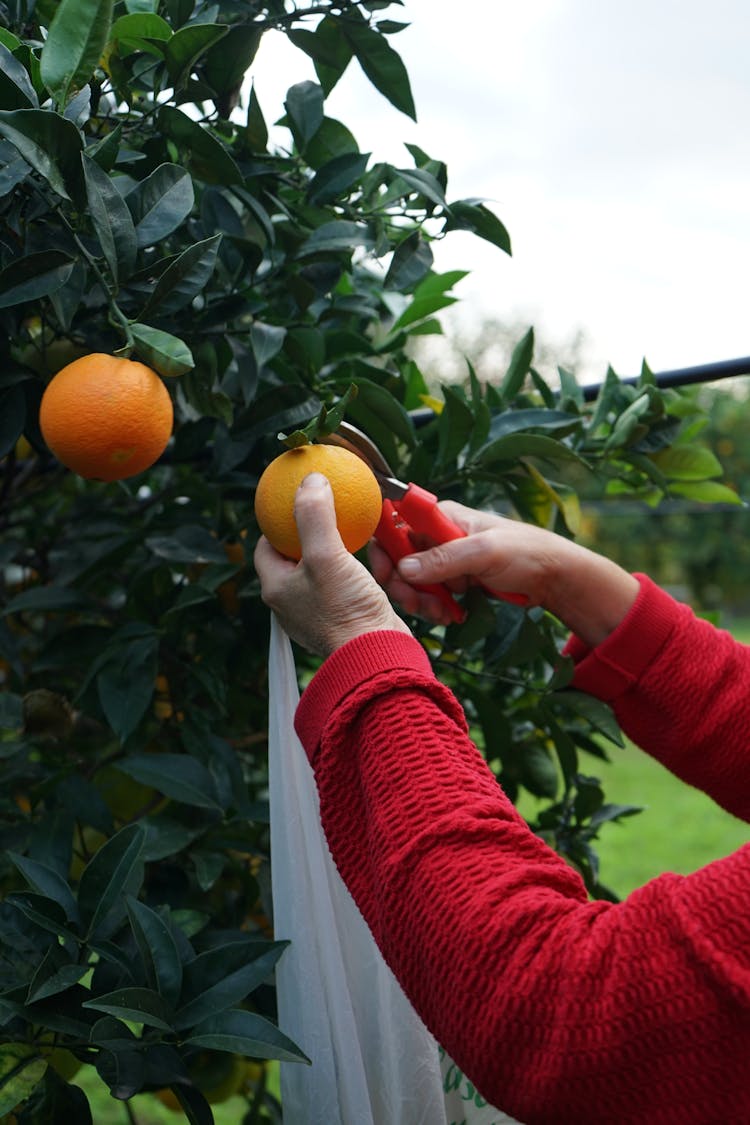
column 679, row 377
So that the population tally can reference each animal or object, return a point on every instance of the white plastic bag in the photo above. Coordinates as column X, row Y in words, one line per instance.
column 373, row 1060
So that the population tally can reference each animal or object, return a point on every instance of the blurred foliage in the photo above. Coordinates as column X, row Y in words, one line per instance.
column 702, row 550
column 144, row 211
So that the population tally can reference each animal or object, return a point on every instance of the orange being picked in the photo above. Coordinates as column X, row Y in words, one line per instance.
column 105, row 417
column 356, row 496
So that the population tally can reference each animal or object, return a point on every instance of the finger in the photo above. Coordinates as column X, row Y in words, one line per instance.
column 456, row 559
column 381, row 565
column 272, row 568
column 315, row 516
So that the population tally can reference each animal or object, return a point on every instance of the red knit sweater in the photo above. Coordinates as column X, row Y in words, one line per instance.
column 561, row 1010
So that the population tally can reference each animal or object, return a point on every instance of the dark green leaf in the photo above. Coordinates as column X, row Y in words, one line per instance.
column 11, row 711
column 256, row 130
column 188, row 544
column 421, row 307
column 178, row 776
column 382, row 65
column 224, row 976
column 227, row 62
column 55, row 974
column 125, row 681
column 36, row 275
column 160, row 203
column 50, row 144
column 45, row 599
column 266, row 341
column 122, row 1071
column 189, row 44
column 138, row 1005
column 74, row 45
column 112, row 221
column 454, row 426
column 468, row 214
column 538, row 771
column 518, row 368
column 424, row 183
column 137, row 28
column 304, row 107
column 412, row 260
column 157, row 949
column 110, row 875
column 46, row 881
column 336, row 176
column 340, row 234
column 332, row 139
column 328, row 47
column 204, row 154
column 513, row 446
column 16, row 88
column 245, row 1033
column 185, row 278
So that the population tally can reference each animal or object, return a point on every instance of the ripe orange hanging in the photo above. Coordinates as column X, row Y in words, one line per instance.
column 105, row 417
column 356, row 495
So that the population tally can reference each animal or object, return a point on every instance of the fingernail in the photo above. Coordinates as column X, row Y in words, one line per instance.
column 314, row 480
column 410, row 567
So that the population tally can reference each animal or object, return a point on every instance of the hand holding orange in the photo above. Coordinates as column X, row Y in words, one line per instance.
column 356, row 494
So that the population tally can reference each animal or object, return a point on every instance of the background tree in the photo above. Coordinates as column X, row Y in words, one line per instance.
column 144, row 212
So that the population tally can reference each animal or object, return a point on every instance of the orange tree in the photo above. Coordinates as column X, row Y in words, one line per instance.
column 145, row 213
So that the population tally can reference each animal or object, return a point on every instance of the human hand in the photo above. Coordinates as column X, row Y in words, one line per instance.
column 328, row 597
column 589, row 593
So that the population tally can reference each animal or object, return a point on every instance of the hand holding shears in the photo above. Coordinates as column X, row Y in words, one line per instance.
column 410, row 513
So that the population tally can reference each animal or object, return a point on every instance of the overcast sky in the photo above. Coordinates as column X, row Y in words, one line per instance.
column 612, row 140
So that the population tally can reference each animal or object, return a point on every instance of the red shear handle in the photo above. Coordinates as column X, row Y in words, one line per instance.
column 393, row 535
column 419, row 508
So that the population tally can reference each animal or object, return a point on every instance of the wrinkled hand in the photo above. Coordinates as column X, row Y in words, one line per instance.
column 588, row 592
column 328, row 597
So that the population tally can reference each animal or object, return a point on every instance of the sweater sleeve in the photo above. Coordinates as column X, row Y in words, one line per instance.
column 680, row 689
column 559, row 1009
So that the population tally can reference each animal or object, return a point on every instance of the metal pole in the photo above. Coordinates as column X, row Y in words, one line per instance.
column 685, row 376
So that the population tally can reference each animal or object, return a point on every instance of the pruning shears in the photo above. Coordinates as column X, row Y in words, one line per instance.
column 408, row 511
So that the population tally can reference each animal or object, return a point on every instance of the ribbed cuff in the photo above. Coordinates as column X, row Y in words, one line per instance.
column 345, row 669
column 618, row 662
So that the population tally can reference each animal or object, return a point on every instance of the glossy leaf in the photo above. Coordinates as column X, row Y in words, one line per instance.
column 136, row 1005
column 382, row 65
column 245, row 1033
column 203, row 153
column 304, row 107
column 36, row 275
column 114, row 871
column 74, row 44
column 184, row 278
column 688, row 463
column 178, row 776
column 333, row 179
column 469, row 214
column 158, row 951
column 328, row 47
column 228, row 60
column 518, row 368
column 513, row 446
column 160, row 203
column 125, row 682
column 187, row 45
column 50, row 144
column 161, row 350
column 16, row 88
column 340, row 234
column 216, row 981
column 46, row 881
column 112, row 221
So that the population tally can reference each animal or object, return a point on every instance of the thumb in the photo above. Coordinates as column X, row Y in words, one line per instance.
column 315, row 516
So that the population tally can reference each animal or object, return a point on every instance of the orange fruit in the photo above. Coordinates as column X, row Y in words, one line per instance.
column 356, row 496
column 105, row 417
